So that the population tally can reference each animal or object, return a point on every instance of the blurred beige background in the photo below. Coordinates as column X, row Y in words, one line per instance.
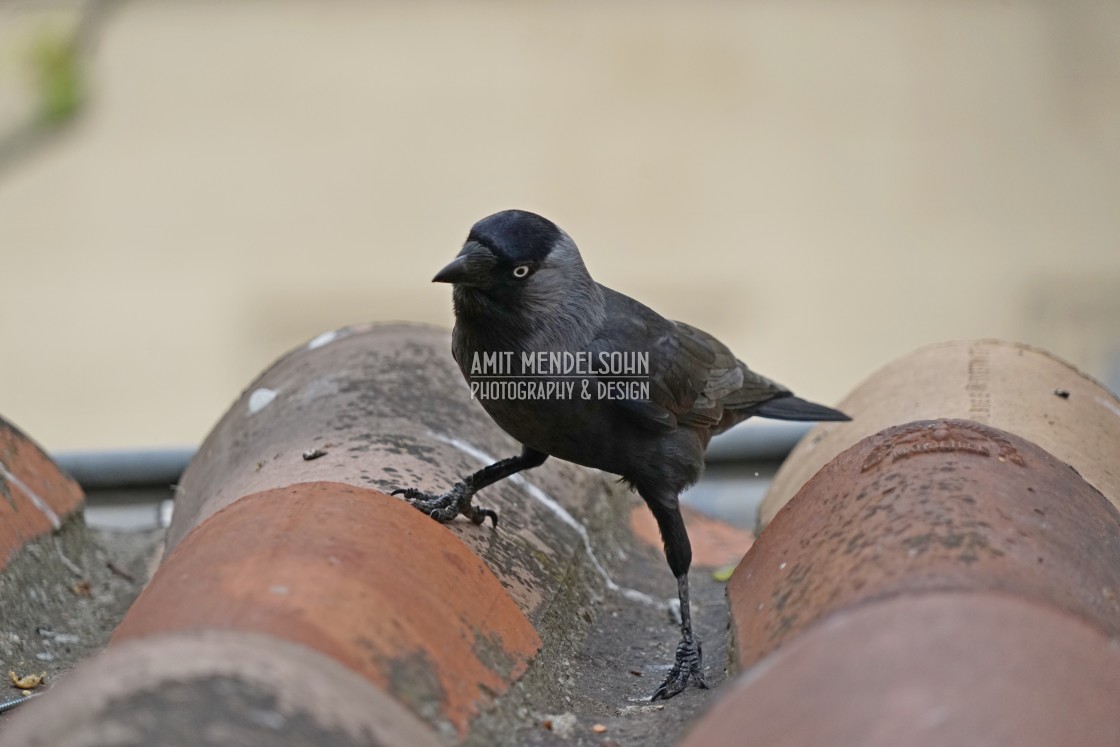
column 825, row 186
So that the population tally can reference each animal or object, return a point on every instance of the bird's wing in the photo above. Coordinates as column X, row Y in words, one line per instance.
column 677, row 366
column 731, row 383
column 692, row 376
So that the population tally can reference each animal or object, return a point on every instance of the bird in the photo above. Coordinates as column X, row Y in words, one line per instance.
column 652, row 392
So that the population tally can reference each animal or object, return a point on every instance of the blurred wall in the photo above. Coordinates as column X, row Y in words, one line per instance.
column 825, row 186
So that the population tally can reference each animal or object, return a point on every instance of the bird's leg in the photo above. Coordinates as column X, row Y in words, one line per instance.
column 443, row 507
column 678, row 551
column 690, row 657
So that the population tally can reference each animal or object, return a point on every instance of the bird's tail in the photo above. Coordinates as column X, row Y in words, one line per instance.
column 789, row 407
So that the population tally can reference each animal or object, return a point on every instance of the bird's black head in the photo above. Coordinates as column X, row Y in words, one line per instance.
column 516, row 235
column 517, row 260
column 519, row 279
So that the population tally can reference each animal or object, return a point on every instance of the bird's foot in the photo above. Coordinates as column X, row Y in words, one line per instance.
column 444, row 507
column 690, row 662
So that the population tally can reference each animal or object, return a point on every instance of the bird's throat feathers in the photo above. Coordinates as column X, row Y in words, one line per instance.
column 561, row 319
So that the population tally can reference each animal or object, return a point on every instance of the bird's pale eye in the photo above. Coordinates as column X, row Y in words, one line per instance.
column 520, row 271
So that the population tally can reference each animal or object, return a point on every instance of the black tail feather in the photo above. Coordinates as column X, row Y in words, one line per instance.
column 789, row 407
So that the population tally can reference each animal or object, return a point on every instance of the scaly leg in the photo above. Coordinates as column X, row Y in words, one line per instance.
column 678, row 551
column 690, row 657
column 443, row 507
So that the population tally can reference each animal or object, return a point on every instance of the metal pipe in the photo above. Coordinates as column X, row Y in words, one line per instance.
column 125, row 468
column 109, row 469
column 756, row 441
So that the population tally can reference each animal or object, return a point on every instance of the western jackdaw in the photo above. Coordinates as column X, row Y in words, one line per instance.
column 528, row 312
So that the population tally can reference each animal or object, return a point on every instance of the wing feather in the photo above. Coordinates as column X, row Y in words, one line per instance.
column 693, row 377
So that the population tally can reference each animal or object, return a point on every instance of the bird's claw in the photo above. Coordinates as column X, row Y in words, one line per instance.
column 441, row 507
column 689, row 665
column 446, row 506
column 478, row 515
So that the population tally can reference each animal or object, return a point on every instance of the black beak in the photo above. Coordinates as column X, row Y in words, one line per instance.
column 455, row 272
column 471, row 267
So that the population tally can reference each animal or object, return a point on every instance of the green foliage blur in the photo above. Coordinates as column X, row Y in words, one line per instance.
column 55, row 65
